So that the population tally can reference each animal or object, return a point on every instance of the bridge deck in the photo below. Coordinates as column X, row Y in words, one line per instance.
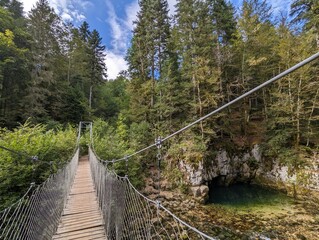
column 81, row 217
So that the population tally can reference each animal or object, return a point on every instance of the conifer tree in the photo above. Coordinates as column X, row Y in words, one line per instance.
column 308, row 11
column 46, row 28
column 97, row 57
column 14, row 63
column 293, row 109
column 146, row 57
column 255, row 60
column 197, row 43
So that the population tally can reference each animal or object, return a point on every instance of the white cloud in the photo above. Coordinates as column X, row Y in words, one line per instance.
column 79, row 16
column 28, row 4
column 115, row 63
column 59, row 4
column 66, row 17
column 171, row 6
column 119, row 30
column 131, row 14
column 121, row 34
column 86, row 4
column 69, row 10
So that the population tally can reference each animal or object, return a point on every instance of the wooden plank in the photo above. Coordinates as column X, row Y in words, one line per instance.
column 81, row 217
column 91, row 233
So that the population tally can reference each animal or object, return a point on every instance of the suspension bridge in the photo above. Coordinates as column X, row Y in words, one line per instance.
column 87, row 200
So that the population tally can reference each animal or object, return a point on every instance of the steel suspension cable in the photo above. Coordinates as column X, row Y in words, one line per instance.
column 139, row 216
column 279, row 76
column 128, row 214
column 36, row 214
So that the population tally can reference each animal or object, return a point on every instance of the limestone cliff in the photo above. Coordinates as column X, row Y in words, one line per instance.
column 250, row 166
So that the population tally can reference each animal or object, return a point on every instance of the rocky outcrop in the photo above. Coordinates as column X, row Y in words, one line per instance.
column 228, row 168
column 249, row 166
column 302, row 183
column 200, row 193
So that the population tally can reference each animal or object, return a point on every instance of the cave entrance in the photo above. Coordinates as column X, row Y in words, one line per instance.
column 242, row 194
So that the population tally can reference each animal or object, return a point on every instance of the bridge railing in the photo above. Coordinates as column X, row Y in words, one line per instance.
column 36, row 215
column 128, row 214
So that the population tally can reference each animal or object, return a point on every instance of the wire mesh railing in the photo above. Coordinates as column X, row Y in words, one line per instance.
column 36, row 215
column 128, row 214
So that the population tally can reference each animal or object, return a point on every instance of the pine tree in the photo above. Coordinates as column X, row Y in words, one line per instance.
column 224, row 29
column 84, row 31
column 14, row 61
column 13, row 6
column 173, row 104
column 147, row 56
column 47, row 29
column 294, row 107
column 307, row 11
column 255, row 62
column 97, row 58
column 197, row 42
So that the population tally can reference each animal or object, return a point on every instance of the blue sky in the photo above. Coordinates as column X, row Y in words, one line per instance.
column 114, row 21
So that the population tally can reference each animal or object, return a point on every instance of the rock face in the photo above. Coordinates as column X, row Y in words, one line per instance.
column 228, row 169
column 200, row 193
column 225, row 169
column 302, row 183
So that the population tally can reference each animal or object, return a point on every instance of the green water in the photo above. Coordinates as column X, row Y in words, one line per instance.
column 246, row 195
column 253, row 212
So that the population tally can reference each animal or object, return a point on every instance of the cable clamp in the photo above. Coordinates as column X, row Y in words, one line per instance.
column 158, row 142
column 126, row 164
column 34, row 158
column 158, row 204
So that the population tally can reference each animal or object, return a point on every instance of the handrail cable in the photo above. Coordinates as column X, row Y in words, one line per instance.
column 19, row 153
column 35, row 158
column 281, row 75
column 134, row 215
column 46, row 202
column 20, row 220
column 158, row 204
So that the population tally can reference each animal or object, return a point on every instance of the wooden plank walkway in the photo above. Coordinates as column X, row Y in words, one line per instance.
column 81, row 217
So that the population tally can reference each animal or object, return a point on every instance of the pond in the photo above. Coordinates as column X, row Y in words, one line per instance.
column 255, row 212
column 241, row 195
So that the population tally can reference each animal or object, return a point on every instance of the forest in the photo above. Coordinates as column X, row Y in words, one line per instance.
column 181, row 67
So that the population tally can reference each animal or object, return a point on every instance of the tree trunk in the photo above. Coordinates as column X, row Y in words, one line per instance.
column 310, row 116
column 200, row 108
column 298, row 113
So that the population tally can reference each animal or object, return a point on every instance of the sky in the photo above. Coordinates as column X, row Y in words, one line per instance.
column 113, row 19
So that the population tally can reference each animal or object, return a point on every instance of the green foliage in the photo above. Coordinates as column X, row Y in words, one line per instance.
column 180, row 69
column 190, row 149
column 111, row 99
column 14, row 57
column 107, row 142
column 176, row 178
column 18, row 171
column 146, row 58
column 111, row 143
column 308, row 11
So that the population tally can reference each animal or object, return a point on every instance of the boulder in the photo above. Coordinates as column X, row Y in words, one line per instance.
column 200, row 193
